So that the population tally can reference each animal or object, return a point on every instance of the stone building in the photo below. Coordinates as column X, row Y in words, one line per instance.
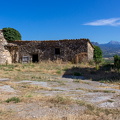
column 5, row 57
column 75, row 50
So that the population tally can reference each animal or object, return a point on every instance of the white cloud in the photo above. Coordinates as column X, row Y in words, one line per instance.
column 103, row 22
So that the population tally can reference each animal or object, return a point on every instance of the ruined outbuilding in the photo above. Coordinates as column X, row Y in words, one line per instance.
column 74, row 50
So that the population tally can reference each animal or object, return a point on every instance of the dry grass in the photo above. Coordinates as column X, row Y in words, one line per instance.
column 36, row 71
column 81, row 81
column 84, row 116
column 61, row 100
column 32, row 71
column 43, row 72
column 90, row 90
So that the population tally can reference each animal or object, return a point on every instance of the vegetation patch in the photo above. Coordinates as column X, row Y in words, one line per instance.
column 94, row 110
column 117, row 62
column 89, row 90
column 80, row 81
column 30, row 93
column 110, row 101
column 13, row 99
column 61, row 100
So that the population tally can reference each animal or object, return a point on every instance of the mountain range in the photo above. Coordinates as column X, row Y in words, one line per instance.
column 109, row 49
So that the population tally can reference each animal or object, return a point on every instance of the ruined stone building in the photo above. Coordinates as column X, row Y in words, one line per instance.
column 75, row 50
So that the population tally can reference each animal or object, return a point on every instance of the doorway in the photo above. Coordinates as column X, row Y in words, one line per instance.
column 35, row 58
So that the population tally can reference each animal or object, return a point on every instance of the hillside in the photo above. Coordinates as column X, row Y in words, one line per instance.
column 109, row 49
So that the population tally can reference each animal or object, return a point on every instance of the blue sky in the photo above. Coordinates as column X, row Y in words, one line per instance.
column 97, row 20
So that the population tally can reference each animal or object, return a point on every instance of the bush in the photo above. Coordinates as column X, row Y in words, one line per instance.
column 97, row 56
column 117, row 62
column 14, row 99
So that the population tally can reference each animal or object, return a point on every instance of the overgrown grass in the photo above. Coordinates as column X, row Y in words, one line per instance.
column 32, row 71
column 90, row 90
column 94, row 110
column 81, row 81
column 36, row 71
column 61, row 100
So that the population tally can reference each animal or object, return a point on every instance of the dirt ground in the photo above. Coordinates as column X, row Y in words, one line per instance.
column 58, row 91
column 60, row 96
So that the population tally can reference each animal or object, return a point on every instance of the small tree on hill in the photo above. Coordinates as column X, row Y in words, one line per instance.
column 97, row 56
column 11, row 34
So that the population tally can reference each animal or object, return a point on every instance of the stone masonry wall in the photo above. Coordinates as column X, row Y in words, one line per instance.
column 90, row 51
column 4, row 53
column 69, row 50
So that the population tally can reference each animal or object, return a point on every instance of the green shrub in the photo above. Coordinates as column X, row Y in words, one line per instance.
column 117, row 62
column 97, row 56
column 13, row 99
column 58, row 72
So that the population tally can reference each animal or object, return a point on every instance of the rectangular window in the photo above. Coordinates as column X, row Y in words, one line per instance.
column 25, row 59
column 57, row 51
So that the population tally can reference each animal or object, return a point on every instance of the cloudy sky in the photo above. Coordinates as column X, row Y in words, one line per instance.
column 97, row 20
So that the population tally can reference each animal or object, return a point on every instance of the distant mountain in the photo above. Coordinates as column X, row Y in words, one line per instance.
column 113, row 43
column 109, row 49
column 95, row 43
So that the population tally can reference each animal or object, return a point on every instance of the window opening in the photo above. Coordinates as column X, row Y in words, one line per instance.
column 25, row 59
column 57, row 51
column 35, row 58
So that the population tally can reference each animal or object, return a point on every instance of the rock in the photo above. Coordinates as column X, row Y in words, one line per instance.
column 4, row 79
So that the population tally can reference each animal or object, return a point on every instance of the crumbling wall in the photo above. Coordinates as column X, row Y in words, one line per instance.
column 5, row 57
column 90, row 51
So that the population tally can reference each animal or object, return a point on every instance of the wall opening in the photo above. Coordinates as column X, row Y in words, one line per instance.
column 35, row 58
column 57, row 51
column 25, row 59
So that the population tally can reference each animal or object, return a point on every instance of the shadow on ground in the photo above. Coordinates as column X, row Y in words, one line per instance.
column 105, row 73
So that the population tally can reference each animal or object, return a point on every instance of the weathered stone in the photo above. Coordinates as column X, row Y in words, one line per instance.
column 4, row 79
column 5, row 57
column 75, row 50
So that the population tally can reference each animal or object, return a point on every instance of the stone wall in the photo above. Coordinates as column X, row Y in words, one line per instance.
column 67, row 50
column 5, row 56
column 90, row 51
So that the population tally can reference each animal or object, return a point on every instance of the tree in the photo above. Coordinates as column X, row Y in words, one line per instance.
column 11, row 34
column 97, row 56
